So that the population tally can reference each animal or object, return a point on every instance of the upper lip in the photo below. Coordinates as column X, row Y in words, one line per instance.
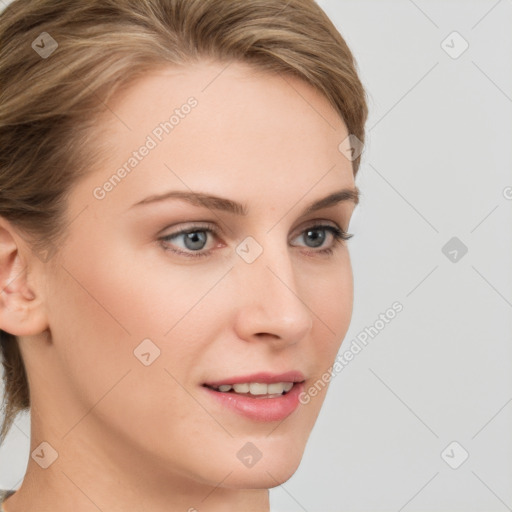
column 262, row 377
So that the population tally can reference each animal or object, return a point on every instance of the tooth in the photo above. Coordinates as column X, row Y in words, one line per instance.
column 257, row 388
column 241, row 388
column 276, row 387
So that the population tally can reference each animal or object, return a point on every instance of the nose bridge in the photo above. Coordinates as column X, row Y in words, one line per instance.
column 271, row 302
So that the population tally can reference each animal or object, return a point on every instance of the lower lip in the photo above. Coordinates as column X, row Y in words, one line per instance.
column 260, row 409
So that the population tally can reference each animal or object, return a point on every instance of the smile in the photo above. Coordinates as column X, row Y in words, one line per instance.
column 256, row 389
column 261, row 397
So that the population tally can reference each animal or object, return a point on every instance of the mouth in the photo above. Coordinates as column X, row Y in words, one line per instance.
column 255, row 389
column 259, row 397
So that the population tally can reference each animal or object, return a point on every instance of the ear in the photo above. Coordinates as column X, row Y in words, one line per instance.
column 22, row 311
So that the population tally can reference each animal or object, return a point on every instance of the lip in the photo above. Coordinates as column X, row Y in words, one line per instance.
column 262, row 377
column 260, row 409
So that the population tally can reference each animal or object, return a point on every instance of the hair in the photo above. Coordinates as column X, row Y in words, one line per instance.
column 49, row 106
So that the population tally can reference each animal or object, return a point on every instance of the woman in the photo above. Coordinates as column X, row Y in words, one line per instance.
column 176, row 185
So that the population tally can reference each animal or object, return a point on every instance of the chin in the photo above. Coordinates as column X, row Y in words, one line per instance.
column 268, row 472
column 261, row 479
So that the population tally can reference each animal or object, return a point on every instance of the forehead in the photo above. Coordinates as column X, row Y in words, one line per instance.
column 221, row 128
column 223, row 85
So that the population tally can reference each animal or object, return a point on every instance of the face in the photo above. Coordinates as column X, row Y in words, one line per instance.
column 235, row 275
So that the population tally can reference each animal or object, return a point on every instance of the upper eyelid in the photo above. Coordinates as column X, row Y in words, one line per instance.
column 209, row 226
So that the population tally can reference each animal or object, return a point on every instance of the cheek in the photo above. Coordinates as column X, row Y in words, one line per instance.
column 99, row 315
column 94, row 337
column 330, row 300
column 329, row 295
column 102, row 312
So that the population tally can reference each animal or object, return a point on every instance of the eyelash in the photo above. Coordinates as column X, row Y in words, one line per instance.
column 339, row 236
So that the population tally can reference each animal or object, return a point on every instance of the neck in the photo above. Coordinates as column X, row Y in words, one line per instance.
column 89, row 475
column 69, row 493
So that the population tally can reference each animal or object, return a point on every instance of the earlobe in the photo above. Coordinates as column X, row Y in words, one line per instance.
column 21, row 308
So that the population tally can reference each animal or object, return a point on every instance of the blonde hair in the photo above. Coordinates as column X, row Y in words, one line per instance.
column 49, row 104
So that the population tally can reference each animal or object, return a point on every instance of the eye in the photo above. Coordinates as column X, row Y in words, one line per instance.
column 192, row 241
column 189, row 242
column 317, row 235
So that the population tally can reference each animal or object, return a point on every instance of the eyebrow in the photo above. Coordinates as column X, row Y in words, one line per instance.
column 220, row 203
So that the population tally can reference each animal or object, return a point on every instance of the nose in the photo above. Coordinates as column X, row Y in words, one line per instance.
column 269, row 303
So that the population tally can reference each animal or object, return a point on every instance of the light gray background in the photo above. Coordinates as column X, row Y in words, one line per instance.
column 437, row 165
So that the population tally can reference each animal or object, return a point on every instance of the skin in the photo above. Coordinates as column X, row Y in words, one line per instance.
column 134, row 437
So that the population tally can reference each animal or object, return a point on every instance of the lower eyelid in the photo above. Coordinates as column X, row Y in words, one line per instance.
column 337, row 233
